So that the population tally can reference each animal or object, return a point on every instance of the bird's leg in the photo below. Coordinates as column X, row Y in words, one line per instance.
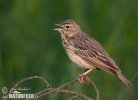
column 83, row 75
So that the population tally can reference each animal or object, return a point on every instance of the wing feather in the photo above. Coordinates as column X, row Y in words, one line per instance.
column 92, row 52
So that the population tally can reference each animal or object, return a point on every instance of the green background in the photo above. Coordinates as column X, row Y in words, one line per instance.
column 29, row 45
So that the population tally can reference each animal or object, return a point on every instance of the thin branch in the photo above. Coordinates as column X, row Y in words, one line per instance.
column 95, row 87
column 26, row 79
column 73, row 97
column 42, row 93
column 60, row 89
column 78, row 94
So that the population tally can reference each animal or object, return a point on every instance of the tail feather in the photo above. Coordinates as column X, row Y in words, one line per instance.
column 126, row 81
column 119, row 74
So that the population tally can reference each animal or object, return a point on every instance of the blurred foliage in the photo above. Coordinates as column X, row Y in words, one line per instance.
column 29, row 45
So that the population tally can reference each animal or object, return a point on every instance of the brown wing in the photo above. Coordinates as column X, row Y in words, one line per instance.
column 92, row 52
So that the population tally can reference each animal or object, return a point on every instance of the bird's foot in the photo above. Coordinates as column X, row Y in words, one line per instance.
column 81, row 78
column 84, row 75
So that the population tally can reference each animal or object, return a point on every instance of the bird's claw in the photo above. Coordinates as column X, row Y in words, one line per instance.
column 81, row 78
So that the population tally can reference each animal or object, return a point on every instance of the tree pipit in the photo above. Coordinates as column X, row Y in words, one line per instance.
column 86, row 52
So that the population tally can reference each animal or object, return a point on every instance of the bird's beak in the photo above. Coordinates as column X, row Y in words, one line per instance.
column 58, row 25
column 58, row 29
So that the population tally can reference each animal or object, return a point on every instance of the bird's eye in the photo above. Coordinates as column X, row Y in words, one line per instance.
column 67, row 26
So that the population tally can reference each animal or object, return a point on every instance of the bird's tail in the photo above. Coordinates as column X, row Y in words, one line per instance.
column 126, row 81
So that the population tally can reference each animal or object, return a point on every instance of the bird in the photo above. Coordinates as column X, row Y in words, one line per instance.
column 86, row 52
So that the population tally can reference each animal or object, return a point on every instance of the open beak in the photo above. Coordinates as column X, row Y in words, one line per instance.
column 57, row 25
column 58, row 29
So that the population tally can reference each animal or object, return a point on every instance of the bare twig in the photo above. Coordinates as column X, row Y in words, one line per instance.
column 23, row 80
column 42, row 93
column 60, row 89
column 75, row 96
column 95, row 87
column 74, row 93
column 29, row 78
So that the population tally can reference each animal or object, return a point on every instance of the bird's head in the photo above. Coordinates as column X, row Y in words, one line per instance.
column 69, row 28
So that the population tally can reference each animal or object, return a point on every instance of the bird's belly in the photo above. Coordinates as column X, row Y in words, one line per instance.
column 79, row 61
